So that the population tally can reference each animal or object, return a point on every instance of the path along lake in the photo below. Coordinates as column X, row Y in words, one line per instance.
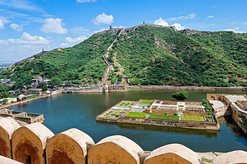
column 66, row 111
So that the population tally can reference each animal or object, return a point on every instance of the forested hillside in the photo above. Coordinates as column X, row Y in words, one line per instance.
column 146, row 55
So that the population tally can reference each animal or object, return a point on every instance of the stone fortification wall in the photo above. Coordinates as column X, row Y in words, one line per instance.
column 116, row 30
column 36, row 144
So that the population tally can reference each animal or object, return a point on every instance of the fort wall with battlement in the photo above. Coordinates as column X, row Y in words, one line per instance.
column 36, row 144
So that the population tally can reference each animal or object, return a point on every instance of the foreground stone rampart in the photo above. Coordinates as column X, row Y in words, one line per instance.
column 68, row 147
column 29, row 142
column 76, row 147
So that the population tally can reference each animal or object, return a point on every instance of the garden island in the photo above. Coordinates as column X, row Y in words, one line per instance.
column 184, row 114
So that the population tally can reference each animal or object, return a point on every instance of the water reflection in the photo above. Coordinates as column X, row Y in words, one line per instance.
column 207, row 133
column 66, row 111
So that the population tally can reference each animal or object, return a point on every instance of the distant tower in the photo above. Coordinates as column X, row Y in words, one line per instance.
column 42, row 49
column 143, row 22
column 110, row 27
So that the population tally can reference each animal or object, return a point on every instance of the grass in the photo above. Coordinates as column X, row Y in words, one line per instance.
column 126, row 104
column 146, row 101
column 33, row 96
column 166, row 117
column 14, row 96
column 136, row 114
column 192, row 118
column 113, row 113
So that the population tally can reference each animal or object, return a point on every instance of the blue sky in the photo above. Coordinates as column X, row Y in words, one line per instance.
column 27, row 26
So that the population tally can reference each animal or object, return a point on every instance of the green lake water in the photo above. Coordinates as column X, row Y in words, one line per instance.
column 66, row 111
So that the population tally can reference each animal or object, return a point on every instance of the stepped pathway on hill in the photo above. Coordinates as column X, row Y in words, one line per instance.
column 105, row 56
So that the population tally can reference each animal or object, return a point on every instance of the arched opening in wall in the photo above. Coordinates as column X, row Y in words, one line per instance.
column 60, row 157
column 27, row 159
column 212, row 97
column 26, row 153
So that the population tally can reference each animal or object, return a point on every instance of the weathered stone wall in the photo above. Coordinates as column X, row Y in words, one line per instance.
column 7, row 128
column 75, row 147
column 29, row 142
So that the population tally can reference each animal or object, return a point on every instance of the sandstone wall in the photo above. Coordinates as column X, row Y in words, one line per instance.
column 74, row 146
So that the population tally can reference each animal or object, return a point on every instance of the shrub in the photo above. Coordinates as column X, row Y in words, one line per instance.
column 181, row 95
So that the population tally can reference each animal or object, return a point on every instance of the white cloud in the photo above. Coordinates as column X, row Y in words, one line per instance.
column 236, row 30
column 1, row 24
column 3, row 42
column 210, row 16
column 4, row 19
column 189, row 16
column 27, row 39
column 178, row 26
column 103, row 19
column 72, row 41
column 16, row 27
column 83, row 1
column 20, row 4
column 52, row 25
column 161, row 22
column 75, row 40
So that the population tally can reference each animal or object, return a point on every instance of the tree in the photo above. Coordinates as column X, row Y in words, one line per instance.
column 18, row 85
column 43, row 86
column 3, row 91
column 77, row 82
column 68, row 84
column 181, row 95
column 55, row 82
column 5, row 101
column 40, row 85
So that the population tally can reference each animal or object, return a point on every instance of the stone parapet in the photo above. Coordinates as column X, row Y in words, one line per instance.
column 76, row 147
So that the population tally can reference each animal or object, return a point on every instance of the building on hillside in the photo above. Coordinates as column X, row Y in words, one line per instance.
column 35, row 91
column 21, row 98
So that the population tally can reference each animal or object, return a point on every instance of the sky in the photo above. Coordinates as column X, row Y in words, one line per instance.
column 28, row 26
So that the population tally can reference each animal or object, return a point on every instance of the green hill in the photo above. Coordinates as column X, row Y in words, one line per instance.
column 146, row 55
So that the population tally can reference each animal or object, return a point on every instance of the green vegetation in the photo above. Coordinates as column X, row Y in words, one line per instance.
column 210, row 118
column 207, row 106
column 126, row 104
column 31, row 97
column 147, row 101
column 5, row 101
column 181, row 95
column 14, row 96
column 55, row 82
column 136, row 114
column 206, row 160
column 166, row 117
column 147, row 55
column 244, row 120
column 43, row 86
column 3, row 91
column 192, row 118
column 114, row 113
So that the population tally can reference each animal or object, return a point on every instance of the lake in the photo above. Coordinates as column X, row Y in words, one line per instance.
column 66, row 111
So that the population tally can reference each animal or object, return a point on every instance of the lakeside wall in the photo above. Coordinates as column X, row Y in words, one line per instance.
column 36, row 144
column 190, row 88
